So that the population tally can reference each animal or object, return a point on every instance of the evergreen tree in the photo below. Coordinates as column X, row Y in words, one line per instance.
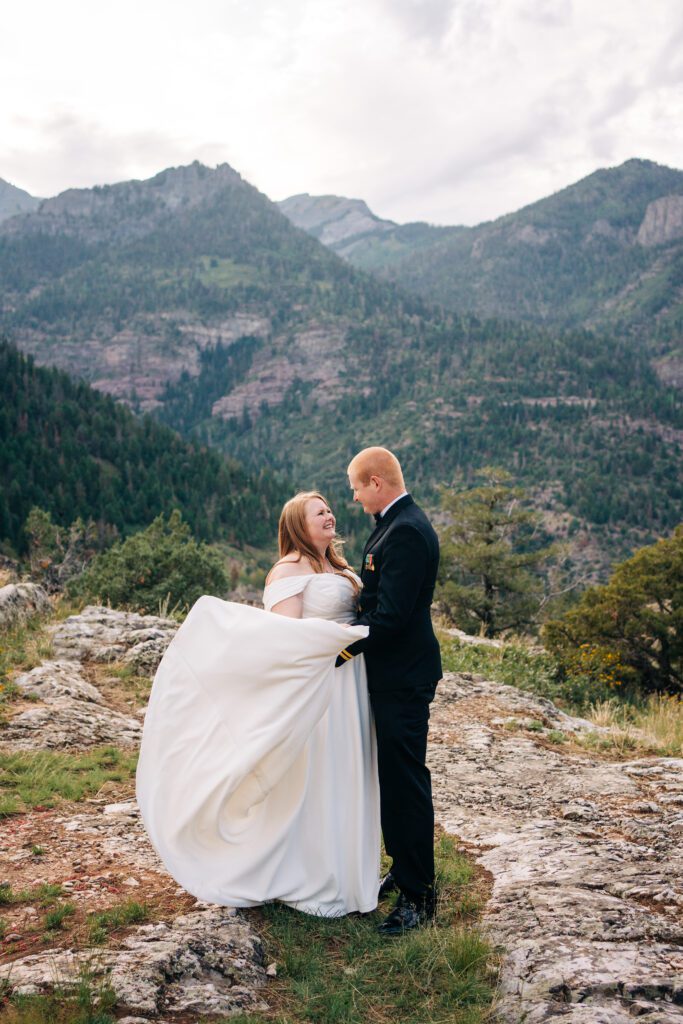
column 631, row 629
column 162, row 566
column 490, row 572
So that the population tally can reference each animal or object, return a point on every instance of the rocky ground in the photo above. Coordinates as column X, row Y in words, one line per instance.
column 584, row 853
column 586, row 857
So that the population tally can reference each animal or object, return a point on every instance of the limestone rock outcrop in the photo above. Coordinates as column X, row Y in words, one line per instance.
column 105, row 634
column 205, row 962
column 72, row 713
column 58, row 679
column 586, row 857
column 663, row 221
column 21, row 601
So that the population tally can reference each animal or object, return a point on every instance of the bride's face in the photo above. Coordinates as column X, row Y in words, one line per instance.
column 320, row 523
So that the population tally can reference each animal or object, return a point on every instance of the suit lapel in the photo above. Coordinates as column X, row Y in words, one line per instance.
column 371, row 539
column 385, row 522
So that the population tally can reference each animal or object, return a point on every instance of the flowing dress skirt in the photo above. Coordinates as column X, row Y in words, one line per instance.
column 257, row 773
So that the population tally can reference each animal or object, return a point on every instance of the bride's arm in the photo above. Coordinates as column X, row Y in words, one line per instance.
column 291, row 606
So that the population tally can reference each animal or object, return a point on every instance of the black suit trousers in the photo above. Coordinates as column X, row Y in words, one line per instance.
column 407, row 812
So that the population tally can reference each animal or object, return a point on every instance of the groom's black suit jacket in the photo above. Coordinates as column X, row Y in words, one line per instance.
column 399, row 568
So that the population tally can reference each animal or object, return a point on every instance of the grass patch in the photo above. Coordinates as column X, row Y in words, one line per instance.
column 654, row 726
column 54, row 919
column 225, row 273
column 616, row 744
column 85, row 1002
column 102, row 923
column 44, row 894
column 517, row 665
column 42, row 777
column 657, row 719
column 138, row 686
column 23, row 646
column 341, row 971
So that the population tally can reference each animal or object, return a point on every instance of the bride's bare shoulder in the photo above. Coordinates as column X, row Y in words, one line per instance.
column 290, row 565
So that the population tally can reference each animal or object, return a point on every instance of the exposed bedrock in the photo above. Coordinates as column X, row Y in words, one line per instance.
column 105, row 634
column 585, row 856
column 21, row 601
column 71, row 713
column 206, row 962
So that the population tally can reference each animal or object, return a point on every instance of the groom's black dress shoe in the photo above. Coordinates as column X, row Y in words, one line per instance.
column 387, row 885
column 407, row 915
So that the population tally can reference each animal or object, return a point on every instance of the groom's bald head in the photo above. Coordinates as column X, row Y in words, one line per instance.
column 378, row 462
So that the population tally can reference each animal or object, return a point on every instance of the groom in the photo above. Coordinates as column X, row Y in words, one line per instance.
column 403, row 661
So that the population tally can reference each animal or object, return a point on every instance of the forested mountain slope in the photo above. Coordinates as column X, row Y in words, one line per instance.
column 75, row 452
column 606, row 252
column 126, row 284
column 192, row 295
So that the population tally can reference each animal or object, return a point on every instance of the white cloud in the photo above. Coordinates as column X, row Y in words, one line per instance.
column 446, row 110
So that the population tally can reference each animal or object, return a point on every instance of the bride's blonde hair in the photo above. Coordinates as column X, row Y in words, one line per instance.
column 292, row 535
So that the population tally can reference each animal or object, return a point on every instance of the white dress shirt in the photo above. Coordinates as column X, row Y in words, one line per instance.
column 387, row 507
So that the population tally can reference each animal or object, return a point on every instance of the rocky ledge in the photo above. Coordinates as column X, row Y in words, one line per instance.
column 71, row 713
column 104, row 634
column 205, row 962
column 585, row 856
column 21, row 601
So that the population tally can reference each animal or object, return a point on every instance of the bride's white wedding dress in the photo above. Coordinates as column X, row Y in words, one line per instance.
column 257, row 777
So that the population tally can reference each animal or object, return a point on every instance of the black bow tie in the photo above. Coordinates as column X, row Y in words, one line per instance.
column 377, row 517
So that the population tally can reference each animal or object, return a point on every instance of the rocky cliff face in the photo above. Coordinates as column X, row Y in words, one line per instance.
column 663, row 221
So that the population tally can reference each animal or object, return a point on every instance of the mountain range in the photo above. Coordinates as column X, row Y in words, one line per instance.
column 192, row 296
column 605, row 253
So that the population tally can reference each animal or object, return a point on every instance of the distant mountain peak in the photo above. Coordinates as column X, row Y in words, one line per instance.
column 128, row 208
column 195, row 172
column 334, row 220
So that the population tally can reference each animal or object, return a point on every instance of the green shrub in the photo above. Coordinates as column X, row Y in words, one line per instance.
column 162, row 566
column 517, row 665
column 628, row 634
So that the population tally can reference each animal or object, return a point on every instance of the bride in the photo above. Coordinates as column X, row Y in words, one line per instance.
column 257, row 777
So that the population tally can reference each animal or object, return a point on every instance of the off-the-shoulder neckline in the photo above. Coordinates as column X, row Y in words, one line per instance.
column 301, row 575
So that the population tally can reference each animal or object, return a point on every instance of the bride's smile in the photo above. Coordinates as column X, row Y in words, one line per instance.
column 320, row 523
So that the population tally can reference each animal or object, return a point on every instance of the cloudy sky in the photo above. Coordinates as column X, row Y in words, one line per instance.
column 452, row 111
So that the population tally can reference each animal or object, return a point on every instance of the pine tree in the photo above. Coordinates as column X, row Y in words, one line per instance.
column 631, row 629
column 490, row 572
